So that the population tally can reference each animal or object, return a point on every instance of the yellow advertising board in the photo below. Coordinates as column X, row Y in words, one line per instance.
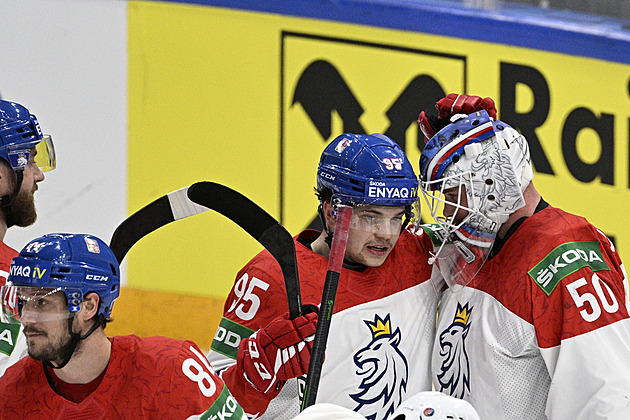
column 250, row 100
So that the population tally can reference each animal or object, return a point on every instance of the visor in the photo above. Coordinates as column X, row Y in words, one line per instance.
column 45, row 158
column 368, row 218
column 32, row 304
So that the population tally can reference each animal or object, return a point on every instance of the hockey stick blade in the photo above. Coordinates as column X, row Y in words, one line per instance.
column 260, row 225
column 166, row 209
column 335, row 263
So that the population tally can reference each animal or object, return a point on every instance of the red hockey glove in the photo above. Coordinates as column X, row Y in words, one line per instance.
column 450, row 105
column 464, row 104
column 278, row 352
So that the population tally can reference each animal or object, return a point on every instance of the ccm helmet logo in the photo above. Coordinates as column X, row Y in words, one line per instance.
column 96, row 277
column 327, row 175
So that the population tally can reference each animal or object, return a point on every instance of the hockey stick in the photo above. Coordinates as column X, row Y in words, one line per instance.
column 203, row 196
column 335, row 262
column 259, row 224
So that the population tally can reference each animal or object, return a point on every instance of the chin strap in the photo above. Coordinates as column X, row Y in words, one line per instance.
column 74, row 341
column 322, row 218
column 5, row 200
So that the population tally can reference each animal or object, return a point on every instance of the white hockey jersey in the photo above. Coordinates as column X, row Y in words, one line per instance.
column 543, row 330
column 381, row 333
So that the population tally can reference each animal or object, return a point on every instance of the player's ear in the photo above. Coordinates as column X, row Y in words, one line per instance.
column 330, row 219
column 89, row 307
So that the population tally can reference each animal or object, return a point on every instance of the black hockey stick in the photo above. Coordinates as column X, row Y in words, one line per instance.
column 335, row 262
column 259, row 224
column 200, row 197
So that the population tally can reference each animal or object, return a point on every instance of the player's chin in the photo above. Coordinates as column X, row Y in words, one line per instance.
column 375, row 259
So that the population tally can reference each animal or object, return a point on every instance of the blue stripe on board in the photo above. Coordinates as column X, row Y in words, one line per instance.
column 513, row 24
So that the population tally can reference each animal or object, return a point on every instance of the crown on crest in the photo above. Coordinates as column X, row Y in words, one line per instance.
column 462, row 314
column 380, row 326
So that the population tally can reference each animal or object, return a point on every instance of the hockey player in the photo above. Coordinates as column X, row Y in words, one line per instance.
column 24, row 153
column 62, row 288
column 382, row 328
column 431, row 405
column 535, row 322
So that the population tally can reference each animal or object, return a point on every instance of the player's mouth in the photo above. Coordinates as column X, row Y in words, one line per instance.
column 378, row 249
column 31, row 333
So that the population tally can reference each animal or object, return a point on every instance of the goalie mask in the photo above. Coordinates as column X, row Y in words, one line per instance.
column 430, row 405
column 473, row 173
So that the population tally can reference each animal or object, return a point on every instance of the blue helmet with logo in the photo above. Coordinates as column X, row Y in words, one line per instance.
column 367, row 169
column 76, row 264
column 19, row 132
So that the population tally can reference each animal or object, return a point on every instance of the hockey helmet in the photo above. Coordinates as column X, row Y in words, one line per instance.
column 367, row 169
column 76, row 264
column 487, row 156
column 491, row 160
column 19, row 132
column 430, row 405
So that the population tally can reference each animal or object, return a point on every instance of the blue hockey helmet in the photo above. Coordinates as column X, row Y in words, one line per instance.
column 19, row 132
column 76, row 264
column 367, row 169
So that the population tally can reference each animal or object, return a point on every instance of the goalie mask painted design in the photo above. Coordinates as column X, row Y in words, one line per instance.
column 432, row 405
column 473, row 173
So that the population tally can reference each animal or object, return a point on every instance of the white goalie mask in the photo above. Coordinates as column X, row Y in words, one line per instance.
column 473, row 173
column 431, row 405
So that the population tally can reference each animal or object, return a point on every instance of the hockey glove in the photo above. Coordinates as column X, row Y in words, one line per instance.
column 278, row 352
column 450, row 105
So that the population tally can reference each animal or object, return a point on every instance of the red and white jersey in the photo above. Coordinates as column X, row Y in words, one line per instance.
column 146, row 378
column 12, row 341
column 381, row 333
column 543, row 330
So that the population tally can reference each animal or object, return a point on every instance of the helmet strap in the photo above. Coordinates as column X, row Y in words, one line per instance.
column 407, row 218
column 74, row 340
column 5, row 200
column 322, row 218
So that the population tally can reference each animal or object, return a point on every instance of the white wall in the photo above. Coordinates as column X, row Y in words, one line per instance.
column 66, row 61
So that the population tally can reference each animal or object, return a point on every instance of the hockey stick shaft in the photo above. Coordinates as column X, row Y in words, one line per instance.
column 335, row 263
column 260, row 225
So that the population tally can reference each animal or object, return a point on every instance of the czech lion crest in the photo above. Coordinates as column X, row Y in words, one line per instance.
column 383, row 371
column 454, row 375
